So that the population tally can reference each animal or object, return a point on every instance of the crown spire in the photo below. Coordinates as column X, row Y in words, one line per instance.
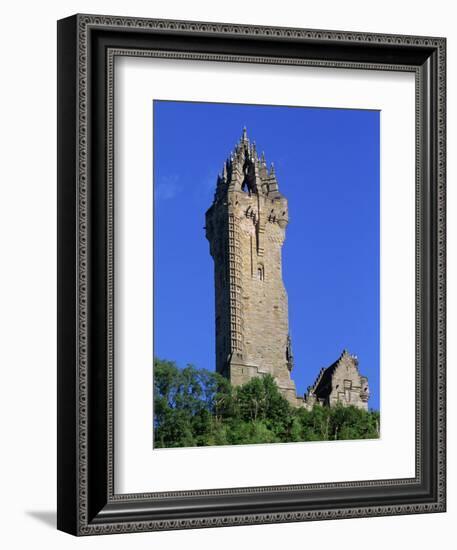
column 245, row 134
column 246, row 169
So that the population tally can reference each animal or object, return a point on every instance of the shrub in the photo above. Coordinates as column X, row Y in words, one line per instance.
column 196, row 407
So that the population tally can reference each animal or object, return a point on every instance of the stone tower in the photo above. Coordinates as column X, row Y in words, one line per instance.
column 246, row 226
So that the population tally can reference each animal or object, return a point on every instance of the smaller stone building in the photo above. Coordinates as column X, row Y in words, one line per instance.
column 340, row 383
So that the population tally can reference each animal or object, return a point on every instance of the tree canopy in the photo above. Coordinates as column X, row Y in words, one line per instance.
column 196, row 407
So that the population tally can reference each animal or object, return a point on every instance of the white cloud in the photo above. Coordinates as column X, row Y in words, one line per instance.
column 167, row 188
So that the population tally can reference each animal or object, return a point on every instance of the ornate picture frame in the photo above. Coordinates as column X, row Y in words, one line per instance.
column 87, row 501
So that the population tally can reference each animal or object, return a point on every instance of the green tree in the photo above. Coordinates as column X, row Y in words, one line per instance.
column 196, row 407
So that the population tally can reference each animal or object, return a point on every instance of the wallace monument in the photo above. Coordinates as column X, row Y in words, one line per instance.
column 246, row 227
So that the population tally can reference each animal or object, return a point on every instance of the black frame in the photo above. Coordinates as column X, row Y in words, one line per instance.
column 87, row 46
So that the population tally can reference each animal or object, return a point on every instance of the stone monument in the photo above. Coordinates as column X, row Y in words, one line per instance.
column 246, row 227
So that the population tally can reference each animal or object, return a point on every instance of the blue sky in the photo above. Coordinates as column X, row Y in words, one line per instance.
column 327, row 165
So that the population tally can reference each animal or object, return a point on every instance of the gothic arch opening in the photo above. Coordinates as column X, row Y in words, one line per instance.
column 260, row 272
column 248, row 185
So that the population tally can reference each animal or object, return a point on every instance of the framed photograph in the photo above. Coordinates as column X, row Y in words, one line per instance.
column 251, row 274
